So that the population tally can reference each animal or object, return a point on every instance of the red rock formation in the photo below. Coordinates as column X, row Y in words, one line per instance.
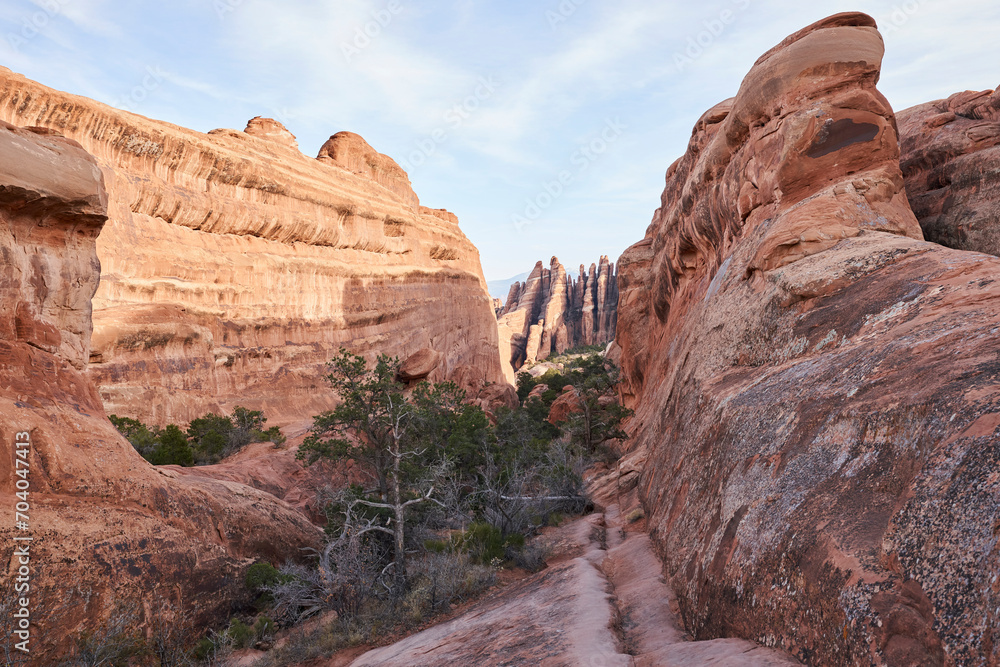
column 816, row 387
column 105, row 525
column 234, row 267
column 566, row 404
column 551, row 312
column 951, row 162
column 419, row 365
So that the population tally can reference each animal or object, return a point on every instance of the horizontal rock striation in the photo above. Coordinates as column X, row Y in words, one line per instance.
column 551, row 311
column 951, row 162
column 816, row 387
column 234, row 267
column 105, row 526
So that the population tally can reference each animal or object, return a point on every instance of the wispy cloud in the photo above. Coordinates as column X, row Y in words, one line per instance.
column 558, row 82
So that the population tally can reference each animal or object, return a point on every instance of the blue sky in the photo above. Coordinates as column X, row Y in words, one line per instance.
column 546, row 125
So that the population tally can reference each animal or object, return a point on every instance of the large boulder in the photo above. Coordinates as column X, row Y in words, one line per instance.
column 419, row 365
column 566, row 404
column 816, row 387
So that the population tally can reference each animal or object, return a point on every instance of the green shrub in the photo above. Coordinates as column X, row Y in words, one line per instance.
column 173, row 449
column 261, row 575
column 486, row 544
column 207, row 439
column 437, row 546
column 264, row 628
column 241, row 634
column 143, row 438
column 205, row 649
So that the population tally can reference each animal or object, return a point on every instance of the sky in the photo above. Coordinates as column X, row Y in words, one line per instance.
column 546, row 125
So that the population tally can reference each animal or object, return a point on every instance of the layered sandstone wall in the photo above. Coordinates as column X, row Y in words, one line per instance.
column 234, row 267
column 105, row 527
column 951, row 162
column 815, row 386
column 552, row 312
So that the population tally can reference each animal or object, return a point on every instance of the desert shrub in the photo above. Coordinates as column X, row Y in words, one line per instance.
column 531, row 556
column 115, row 643
column 348, row 577
column 487, row 544
column 143, row 438
column 240, row 633
column 440, row 580
column 169, row 635
column 207, row 439
column 173, row 449
column 260, row 576
column 264, row 629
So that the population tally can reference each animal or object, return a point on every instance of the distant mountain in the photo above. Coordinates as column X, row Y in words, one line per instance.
column 499, row 289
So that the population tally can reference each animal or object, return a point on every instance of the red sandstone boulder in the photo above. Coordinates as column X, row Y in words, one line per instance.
column 272, row 130
column 492, row 397
column 419, row 365
column 567, row 403
column 537, row 391
column 816, row 387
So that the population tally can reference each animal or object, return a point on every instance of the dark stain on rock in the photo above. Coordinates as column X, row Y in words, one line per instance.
column 839, row 135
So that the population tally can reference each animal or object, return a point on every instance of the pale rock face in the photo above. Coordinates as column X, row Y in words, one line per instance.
column 551, row 312
column 815, row 386
column 234, row 267
column 268, row 128
column 105, row 524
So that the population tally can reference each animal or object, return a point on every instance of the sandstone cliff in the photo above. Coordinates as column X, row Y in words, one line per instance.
column 105, row 526
column 234, row 266
column 551, row 311
column 951, row 162
column 816, row 387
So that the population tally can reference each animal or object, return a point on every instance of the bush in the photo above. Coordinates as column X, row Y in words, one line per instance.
column 440, row 580
column 532, row 556
column 241, row 634
column 143, row 439
column 207, row 440
column 114, row 644
column 487, row 544
column 173, row 449
column 261, row 575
